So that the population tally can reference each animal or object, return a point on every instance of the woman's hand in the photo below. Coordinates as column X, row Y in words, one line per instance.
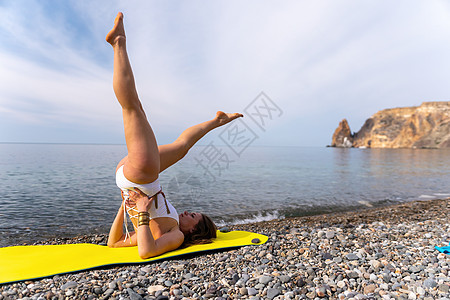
column 141, row 200
column 128, row 202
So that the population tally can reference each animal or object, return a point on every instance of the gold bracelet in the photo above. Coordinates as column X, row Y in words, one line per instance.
column 143, row 218
column 146, row 223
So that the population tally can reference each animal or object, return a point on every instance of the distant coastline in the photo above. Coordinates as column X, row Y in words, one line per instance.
column 419, row 127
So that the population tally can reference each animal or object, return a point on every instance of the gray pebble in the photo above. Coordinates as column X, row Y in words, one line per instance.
column 330, row 234
column 444, row 288
column 224, row 229
column 240, row 283
column 112, row 285
column 352, row 256
column 109, row 292
column 326, row 256
column 429, row 283
column 265, row 279
column 272, row 293
column 176, row 292
column 168, row 283
column 420, row 291
column 133, row 295
column 223, row 258
column 294, row 231
column 68, row 285
column 337, row 259
column 390, row 267
column 311, row 272
column 251, row 291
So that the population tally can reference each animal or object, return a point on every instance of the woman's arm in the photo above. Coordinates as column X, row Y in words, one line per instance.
column 147, row 245
column 116, row 237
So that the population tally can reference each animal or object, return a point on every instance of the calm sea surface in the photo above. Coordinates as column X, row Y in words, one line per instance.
column 55, row 190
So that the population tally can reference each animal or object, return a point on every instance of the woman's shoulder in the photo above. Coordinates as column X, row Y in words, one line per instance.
column 177, row 232
column 172, row 239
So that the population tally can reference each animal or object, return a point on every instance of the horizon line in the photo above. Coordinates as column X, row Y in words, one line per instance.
column 113, row 144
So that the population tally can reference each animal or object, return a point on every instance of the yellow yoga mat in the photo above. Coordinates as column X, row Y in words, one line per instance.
column 19, row 263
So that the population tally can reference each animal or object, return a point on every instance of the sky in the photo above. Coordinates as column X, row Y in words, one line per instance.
column 313, row 62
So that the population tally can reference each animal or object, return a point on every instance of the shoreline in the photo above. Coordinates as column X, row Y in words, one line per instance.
column 385, row 252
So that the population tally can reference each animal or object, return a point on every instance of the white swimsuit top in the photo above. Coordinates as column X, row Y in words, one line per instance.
column 160, row 208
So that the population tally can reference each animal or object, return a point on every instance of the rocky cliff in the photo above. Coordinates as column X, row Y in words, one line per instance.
column 424, row 126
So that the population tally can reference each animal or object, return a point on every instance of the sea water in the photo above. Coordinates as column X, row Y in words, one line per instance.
column 63, row 190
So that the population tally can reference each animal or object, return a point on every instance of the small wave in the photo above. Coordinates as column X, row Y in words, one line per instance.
column 260, row 217
column 426, row 197
column 366, row 203
column 442, row 194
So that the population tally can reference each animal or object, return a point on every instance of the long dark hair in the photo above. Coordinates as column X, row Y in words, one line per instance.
column 203, row 233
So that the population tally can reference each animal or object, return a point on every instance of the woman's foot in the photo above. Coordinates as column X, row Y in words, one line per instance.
column 223, row 118
column 118, row 32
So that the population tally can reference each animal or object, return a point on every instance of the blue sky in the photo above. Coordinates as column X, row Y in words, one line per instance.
column 319, row 61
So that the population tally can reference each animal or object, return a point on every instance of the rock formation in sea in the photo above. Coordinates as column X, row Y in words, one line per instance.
column 342, row 136
column 424, row 126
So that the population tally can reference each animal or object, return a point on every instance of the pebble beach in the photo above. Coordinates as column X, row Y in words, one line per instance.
column 376, row 253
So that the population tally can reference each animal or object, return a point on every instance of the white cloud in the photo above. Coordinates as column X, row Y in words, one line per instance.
column 319, row 60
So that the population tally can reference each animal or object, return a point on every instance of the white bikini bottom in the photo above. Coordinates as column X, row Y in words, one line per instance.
column 160, row 207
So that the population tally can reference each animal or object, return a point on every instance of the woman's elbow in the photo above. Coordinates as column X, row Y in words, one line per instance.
column 111, row 244
column 144, row 253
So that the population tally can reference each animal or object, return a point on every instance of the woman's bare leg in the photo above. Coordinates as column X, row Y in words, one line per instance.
column 171, row 153
column 143, row 163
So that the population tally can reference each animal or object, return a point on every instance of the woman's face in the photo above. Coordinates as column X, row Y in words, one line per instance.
column 188, row 221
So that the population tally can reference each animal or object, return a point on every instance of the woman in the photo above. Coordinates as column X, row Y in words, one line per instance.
column 158, row 227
